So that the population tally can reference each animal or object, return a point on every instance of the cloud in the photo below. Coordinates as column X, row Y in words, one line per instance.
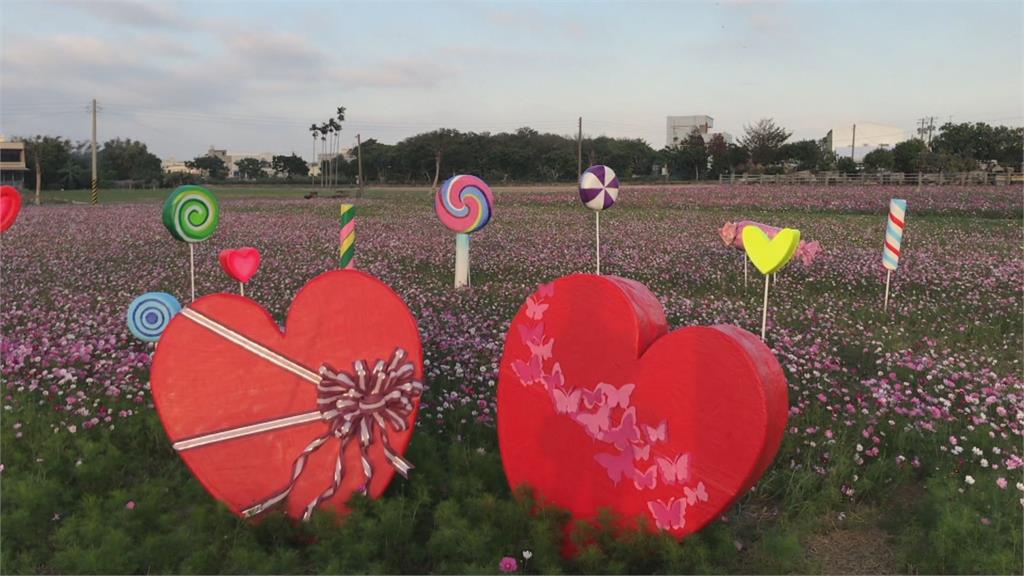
column 132, row 12
column 407, row 72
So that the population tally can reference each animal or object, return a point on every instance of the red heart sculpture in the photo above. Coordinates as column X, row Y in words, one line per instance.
column 599, row 406
column 225, row 403
column 240, row 263
column 10, row 205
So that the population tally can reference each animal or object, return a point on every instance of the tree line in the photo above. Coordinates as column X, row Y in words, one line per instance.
column 526, row 155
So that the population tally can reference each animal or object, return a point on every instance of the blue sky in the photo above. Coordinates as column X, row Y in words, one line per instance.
column 252, row 76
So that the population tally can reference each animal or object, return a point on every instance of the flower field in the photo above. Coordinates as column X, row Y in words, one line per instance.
column 903, row 454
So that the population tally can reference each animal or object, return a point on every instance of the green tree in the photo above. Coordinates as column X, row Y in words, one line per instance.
column 846, row 165
column 292, row 166
column 802, row 155
column 128, row 160
column 251, row 168
column 688, row 159
column 879, row 160
column 212, row 166
column 718, row 152
column 763, row 140
column 907, row 155
column 51, row 154
column 980, row 142
column 737, row 158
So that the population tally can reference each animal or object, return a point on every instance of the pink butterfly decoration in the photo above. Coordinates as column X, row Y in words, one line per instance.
column 617, row 465
column 625, row 433
column 595, row 422
column 546, row 290
column 528, row 372
column 566, row 403
column 657, row 433
column 675, row 470
column 531, row 335
column 616, row 396
column 541, row 348
column 646, row 481
column 670, row 515
column 640, row 452
column 555, row 379
column 692, row 496
column 534, row 309
column 592, row 397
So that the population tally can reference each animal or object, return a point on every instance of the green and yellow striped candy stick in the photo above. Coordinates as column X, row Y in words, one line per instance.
column 348, row 236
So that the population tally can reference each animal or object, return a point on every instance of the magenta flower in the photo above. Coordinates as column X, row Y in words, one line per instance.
column 508, row 564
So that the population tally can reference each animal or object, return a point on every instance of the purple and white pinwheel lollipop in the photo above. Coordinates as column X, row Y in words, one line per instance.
column 599, row 187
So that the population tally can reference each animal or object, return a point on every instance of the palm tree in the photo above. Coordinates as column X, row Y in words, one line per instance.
column 315, row 131
column 340, row 115
column 325, row 129
column 336, row 131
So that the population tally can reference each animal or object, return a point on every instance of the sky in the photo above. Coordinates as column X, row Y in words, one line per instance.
column 252, row 76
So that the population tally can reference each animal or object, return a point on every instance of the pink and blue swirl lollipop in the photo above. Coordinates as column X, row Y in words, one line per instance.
column 464, row 203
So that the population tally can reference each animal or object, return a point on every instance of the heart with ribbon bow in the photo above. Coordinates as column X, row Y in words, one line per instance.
column 601, row 407
column 299, row 418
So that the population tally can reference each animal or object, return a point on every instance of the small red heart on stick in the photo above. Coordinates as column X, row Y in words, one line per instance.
column 10, row 205
column 240, row 263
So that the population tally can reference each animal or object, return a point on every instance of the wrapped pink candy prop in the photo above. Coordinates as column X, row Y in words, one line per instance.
column 732, row 235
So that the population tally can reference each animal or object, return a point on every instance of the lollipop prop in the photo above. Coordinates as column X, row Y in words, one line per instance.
column 191, row 214
column 769, row 256
column 149, row 315
column 464, row 204
column 599, row 189
column 893, row 238
column 241, row 264
column 347, row 237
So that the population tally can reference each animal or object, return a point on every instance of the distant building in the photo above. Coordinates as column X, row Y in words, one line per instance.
column 12, row 163
column 172, row 166
column 679, row 128
column 231, row 159
column 869, row 136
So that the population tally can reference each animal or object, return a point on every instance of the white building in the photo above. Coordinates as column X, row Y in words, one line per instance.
column 170, row 166
column 232, row 159
column 844, row 141
column 679, row 128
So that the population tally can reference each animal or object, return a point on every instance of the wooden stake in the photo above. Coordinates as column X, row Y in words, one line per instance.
column 888, row 276
column 241, row 288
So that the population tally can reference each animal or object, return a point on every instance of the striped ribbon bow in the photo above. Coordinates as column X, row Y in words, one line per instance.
column 357, row 404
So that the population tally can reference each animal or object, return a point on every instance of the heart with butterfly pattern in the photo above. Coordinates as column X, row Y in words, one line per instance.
column 601, row 407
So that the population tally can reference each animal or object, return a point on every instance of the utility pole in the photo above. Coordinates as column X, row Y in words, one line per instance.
column 359, row 156
column 579, row 151
column 95, row 197
column 853, row 145
column 931, row 127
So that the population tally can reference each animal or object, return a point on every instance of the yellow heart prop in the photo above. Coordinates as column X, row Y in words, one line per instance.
column 769, row 256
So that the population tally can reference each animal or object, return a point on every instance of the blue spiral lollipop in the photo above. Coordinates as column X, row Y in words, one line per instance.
column 149, row 315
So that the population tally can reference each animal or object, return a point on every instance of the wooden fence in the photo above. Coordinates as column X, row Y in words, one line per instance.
column 880, row 179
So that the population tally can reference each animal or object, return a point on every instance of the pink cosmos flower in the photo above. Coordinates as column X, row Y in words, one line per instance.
column 508, row 564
